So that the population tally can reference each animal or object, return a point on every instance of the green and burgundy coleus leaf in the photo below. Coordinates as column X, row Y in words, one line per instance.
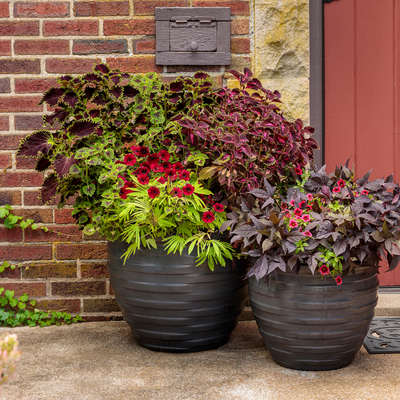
column 35, row 144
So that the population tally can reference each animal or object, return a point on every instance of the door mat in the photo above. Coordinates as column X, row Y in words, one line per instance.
column 383, row 336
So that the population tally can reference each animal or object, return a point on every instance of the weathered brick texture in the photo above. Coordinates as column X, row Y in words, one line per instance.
column 39, row 41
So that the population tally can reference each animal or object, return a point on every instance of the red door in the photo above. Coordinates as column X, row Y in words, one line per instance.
column 362, row 89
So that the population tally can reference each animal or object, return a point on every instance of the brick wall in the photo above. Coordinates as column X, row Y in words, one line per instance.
column 40, row 40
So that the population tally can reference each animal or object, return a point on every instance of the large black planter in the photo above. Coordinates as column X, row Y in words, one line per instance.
column 170, row 304
column 309, row 323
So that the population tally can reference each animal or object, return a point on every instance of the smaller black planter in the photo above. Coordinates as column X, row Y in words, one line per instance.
column 309, row 323
column 170, row 304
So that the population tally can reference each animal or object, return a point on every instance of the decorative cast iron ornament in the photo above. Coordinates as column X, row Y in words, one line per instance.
column 193, row 35
column 383, row 336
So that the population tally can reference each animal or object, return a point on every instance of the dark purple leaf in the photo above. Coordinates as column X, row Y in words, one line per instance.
column 116, row 79
column 71, row 98
column 94, row 113
column 130, row 91
column 42, row 164
column 116, row 91
column 247, row 73
column 35, row 143
column 176, row 86
column 92, row 78
column 364, row 179
column 59, row 115
column 83, row 128
column 102, row 68
column 49, row 189
column 99, row 100
column 52, row 96
column 201, row 75
column 63, row 164
column 89, row 91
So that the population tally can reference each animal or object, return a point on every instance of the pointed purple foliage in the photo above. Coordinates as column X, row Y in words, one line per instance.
column 32, row 145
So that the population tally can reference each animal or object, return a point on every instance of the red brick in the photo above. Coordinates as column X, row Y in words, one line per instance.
column 37, row 289
column 63, row 216
column 148, row 7
column 193, row 68
column 100, row 305
column 5, row 86
column 21, row 179
column 135, row 64
column 26, row 163
column 4, row 126
column 129, row 27
column 11, row 273
column 10, row 197
column 71, row 65
column 5, row 47
column 19, row 28
column 4, row 9
column 10, row 142
column 17, row 104
column 34, row 85
column 10, row 235
column 144, row 46
column 94, row 270
column 240, row 27
column 41, row 10
column 78, row 288
column 50, row 270
column 28, row 122
column 68, row 234
column 39, row 215
column 240, row 45
column 66, row 305
column 5, row 160
column 41, row 47
column 25, row 253
column 70, row 28
column 81, row 251
column 19, row 66
column 31, row 198
column 237, row 7
column 99, row 46
column 97, row 9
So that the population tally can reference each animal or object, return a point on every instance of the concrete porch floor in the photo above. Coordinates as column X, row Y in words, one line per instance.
column 101, row 361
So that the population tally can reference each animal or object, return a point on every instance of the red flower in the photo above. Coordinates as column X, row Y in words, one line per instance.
column 153, row 192
column 324, row 269
column 306, row 218
column 218, row 207
column 292, row 202
column 336, row 189
column 188, row 189
column 307, row 233
column 143, row 151
column 162, row 167
column 177, row 166
column 293, row 223
column 129, row 184
column 208, row 217
column 283, row 206
column 161, row 179
column 143, row 169
column 338, row 280
column 170, row 174
column 309, row 196
column 298, row 171
column 341, row 183
column 143, row 179
column 365, row 192
column 184, row 175
column 136, row 150
column 177, row 192
column 164, row 155
column 298, row 212
column 124, row 193
column 129, row 159
column 301, row 204
column 153, row 158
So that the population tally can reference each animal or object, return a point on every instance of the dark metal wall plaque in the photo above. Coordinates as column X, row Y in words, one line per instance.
column 193, row 36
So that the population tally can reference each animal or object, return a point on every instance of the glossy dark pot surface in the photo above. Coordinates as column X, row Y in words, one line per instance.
column 170, row 304
column 309, row 323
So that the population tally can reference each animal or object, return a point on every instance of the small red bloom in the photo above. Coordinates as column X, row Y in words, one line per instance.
column 144, row 169
column 170, row 174
column 136, row 150
column 123, row 178
column 162, row 167
column 298, row 171
column 324, row 269
column 143, row 151
column 161, row 179
column 153, row 192
column 309, row 196
column 188, row 189
column 283, row 206
column 298, row 212
column 336, row 189
column 143, row 179
column 365, row 192
column 292, row 202
column 309, row 207
column 341, row 183
column 177, row 166
column 302, row 203
column 164, row 155
column 129, row 184
column 307, row 233
column 153, row 158
column 293, row 223
column 129, row 159
column 306, row 218
column 218, row 207
column 208, row 217
column 184, row 175
column 124, row 193
column 177, row 192
column 338, row 280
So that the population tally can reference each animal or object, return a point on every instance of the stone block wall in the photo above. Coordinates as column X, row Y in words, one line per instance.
column 40, row 40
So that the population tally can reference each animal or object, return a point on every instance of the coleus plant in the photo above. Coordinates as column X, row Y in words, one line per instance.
column 330, row 223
